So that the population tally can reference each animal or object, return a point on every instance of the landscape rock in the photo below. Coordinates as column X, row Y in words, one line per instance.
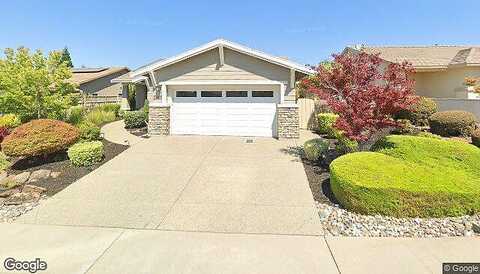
column 33, row 189
column 22, row 177
column 39, row 175
column 3, row 175
column 1, row 201
column 22, row 197
column 9, row 192
column 337, row 221
column 476, row 227
column 55, row 174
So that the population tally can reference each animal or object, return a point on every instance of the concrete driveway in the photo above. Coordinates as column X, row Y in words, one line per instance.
column 192, row 183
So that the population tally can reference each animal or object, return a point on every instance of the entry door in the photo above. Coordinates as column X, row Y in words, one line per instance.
column 238, row 113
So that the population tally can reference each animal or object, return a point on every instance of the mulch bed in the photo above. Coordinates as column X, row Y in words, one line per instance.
column 318, row 177
column 59, row 162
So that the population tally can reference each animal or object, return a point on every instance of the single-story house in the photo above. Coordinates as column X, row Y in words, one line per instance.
column 97, row 81
column 220, row 88
column 440, row 70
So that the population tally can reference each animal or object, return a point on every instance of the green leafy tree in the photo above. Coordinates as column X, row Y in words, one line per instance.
column 33, row 85
column 66, row 57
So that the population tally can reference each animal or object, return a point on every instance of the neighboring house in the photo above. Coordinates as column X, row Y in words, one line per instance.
column 220, row 88
column 440, row 72
column 97, row 81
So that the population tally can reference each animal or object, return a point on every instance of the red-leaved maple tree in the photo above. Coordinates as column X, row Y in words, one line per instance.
column 364, row 91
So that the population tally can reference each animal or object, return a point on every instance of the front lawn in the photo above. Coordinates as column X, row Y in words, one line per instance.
column 410, row 176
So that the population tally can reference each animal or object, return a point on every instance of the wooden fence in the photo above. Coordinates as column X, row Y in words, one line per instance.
column 307, row 111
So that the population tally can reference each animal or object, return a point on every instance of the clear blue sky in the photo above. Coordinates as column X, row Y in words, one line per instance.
column 132, row 33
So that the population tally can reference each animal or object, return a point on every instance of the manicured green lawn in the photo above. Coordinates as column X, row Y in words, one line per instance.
column 410, row 176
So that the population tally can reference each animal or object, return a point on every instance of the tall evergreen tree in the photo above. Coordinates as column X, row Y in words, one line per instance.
column 66, row 57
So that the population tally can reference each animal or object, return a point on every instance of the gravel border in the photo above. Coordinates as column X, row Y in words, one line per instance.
column 9, row 213
column 337, row 221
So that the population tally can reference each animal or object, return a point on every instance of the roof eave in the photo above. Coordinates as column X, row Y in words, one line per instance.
column 220, row 42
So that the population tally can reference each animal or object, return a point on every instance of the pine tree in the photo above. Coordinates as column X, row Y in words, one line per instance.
column 66, row 57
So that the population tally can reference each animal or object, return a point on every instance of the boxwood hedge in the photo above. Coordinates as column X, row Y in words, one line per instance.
column 410, row 176
column 86, row 153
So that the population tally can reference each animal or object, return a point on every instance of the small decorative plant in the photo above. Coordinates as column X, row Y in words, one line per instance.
column 470, row 81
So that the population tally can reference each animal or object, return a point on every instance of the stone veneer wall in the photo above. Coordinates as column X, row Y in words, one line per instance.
column 288, row 123
column 158, row 119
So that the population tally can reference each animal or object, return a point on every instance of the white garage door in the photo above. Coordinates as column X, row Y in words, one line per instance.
column 239, row 113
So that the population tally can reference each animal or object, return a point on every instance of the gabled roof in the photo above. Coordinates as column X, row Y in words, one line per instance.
column 85, row 75
column 428, row 57
column 226, row 44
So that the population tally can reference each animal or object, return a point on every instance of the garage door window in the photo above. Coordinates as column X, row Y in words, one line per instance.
column 237, row 93
column 262, row 93
column 211, row 94
column 186, row 94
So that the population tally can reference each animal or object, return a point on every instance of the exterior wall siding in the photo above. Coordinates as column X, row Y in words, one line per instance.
column 444, row 84
column 238, row 66
column 103, row 86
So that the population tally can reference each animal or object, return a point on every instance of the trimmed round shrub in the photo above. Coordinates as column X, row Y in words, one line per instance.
column 420, row 112
column 326, row 122
column 410, row 176
column 476, row 138
column 100, row 117
column 315, row 148
column 86, row 153
column 452, row 123
column 89, row 131
column 75, row 115
column 10, row 121
column 135, row 119
column 39, row 137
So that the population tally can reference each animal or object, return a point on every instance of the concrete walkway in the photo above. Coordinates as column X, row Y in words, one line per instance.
column 192, row 183
column 68, row 249
column 115, row 132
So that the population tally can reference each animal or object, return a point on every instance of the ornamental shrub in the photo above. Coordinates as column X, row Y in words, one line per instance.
column 75, row 115
column 315, row 148
column 115, row 108
column 420, row 112
column 3, row 133
column 100, row 117
column 326, row 122
column 344, row 144
column 452, row 123
column 88, row 131
column 9, row 121
column 409, row 176
column 476, row 137
column 135, row 119
column 39, row 137
column 86, row 153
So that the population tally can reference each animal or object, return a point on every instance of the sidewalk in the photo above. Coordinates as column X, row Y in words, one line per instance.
column 68, row 249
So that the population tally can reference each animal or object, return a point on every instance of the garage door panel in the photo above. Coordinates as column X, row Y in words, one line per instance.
column 242, row 119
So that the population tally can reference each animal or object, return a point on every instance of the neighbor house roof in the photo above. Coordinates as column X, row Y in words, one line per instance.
column 85, row 75
column 428, row 57
column 281, row 61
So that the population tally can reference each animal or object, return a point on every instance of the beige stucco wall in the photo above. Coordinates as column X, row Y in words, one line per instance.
column 444, row 84
column 237, row 66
